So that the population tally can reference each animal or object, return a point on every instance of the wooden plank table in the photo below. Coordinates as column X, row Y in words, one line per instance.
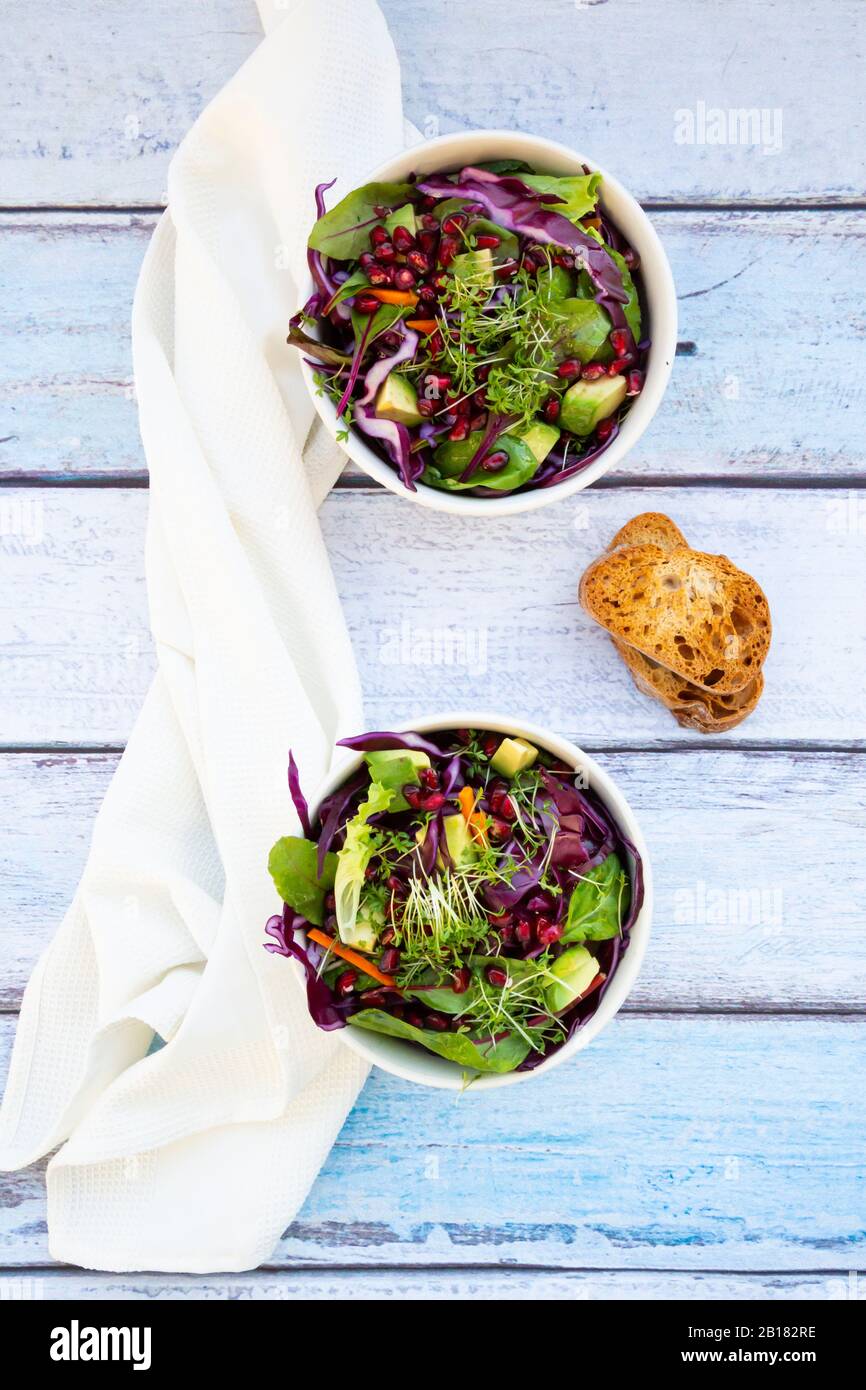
column 710, row 1144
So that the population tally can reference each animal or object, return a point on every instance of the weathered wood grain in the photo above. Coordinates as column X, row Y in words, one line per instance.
column 406, row 1285
column 94, row 105
column 729, row 1144
column 741, row 843
column 75, row 657
column 760, row 391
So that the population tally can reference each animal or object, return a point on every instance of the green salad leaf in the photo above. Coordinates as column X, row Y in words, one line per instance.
column 355, row 855
column 344, row 232
column 578, row 191
column 521, row 465
column 292, row 866
column 598, row 903
column 482, row 1055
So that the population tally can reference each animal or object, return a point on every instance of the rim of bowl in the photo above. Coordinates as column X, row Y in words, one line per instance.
column 658, row 288
column 397, row 1056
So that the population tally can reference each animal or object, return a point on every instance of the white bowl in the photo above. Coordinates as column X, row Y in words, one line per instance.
column 452, row 152
column 412, row 1063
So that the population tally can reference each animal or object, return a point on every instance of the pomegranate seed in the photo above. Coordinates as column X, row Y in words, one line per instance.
column 380, row 210
column 547, row 931
column 379, row 274
column 495, row 462
column 448, row 248
column 414, row 1019
column 619, row 341
column 604, row 429
column 487, row 241
column 495, row 799
column 396, row 884
column 498, row 830
column 402, row 238
column 497, row 976
column 461, row 980
column 404, row 278
column 489, row 744
column 433, row 802
column 506, row 270
column 524, row 931
column 330, row 902
column 593, row 370
column 623, row 364
column 479, row 398
column 455, row 222
column 385, row 253
column 435, row 344
column 568, row 369
column 632, row 259
column 442, row 380
column 366, row 259
column 483, row 373
column 429, row 777
column 429, row 222
column 564, row 260
column 378, row 236
column 413, row 795
column 427, row 296
column 500, row 919
column 366, row 304
column 391, row 340
column 478, row 422
column 387, row 936
column 463, row 735
column 438, row 1022
column 551, row 410
column 418, row 261
column 635, row 384
column 346, row 982
column 506, row 808
column 426, row 408
column 397, row 1011
column 529, row 265
column 389, row 960
column 375, row 998
column 459, row 431
column 371, row 871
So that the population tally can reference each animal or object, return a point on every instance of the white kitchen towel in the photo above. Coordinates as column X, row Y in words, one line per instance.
column 195, row 1157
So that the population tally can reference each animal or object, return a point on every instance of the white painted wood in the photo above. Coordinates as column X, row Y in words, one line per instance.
column 741, row 842
column 728, row 1144
column 774, row 386
column 95, row 102
column 444, row 613
column 407, row 1285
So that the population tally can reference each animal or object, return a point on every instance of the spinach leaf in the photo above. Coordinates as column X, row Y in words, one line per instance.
column 505, row 166
column 521, row 465
column 356, row 282
column 579, row 192
column 344, row 232
column 382, row 320
column 292, row 866
column 483, row 1056
column 598, row 903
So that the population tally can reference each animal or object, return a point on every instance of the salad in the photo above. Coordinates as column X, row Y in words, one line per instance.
column 461, row 891
column 482, row 329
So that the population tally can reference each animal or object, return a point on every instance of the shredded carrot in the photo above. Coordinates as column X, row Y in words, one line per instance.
column 395, row 296
column 476, row 820
column 360, row 962
column 422, row 325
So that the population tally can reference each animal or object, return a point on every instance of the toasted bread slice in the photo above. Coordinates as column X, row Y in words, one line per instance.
column 650, row 528
column 696, row 614
column 691, row 706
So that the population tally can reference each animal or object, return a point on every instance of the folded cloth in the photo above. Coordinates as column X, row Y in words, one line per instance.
column 195, row 1156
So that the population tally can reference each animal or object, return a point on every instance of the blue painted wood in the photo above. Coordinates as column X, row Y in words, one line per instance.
column 671, row 1143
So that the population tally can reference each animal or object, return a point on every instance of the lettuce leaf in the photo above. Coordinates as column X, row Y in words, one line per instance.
column 355, row 855
column 579, row 193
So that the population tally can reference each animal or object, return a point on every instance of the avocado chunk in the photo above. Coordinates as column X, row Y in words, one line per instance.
column 512, row 756
column 458, row 839
column 540, row 438
column 396, row 768
column 475, row 268
column 575, row 971
column 582, row 330
column 398, row 400
column 587, row 402
column 402, row 217
column 364, row 932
